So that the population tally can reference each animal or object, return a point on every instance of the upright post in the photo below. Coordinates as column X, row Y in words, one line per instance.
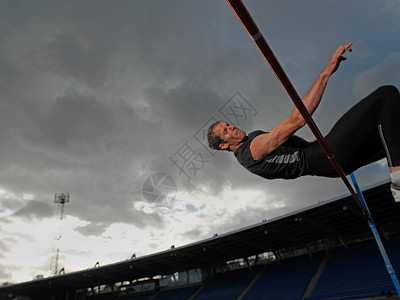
column 378, row 240
column 59, row 199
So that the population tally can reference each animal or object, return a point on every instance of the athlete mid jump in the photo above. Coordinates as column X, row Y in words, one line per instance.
column 366, row 133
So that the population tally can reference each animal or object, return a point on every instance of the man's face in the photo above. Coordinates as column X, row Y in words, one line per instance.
column 228, row 133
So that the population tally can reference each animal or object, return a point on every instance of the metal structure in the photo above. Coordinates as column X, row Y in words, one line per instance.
column 249, row 24
column 60, row 199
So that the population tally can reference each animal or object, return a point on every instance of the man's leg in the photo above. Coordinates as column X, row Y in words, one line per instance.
column 369, row 131
column 389, row 130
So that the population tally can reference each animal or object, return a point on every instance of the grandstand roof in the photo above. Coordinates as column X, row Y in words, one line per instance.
column 336, row 221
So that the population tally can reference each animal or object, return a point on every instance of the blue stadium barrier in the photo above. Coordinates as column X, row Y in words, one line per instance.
column 372, row 226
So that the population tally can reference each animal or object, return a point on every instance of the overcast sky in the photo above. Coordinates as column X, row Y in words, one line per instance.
column 104, row 99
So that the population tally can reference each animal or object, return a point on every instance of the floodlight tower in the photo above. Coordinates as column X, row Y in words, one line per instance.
column 60, row 199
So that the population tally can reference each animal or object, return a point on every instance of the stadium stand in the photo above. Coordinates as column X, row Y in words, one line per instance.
column 226, row 286
column 285, row 280
column 130, row 297
column 178, row 293
column 358, row 270
column 325, row 251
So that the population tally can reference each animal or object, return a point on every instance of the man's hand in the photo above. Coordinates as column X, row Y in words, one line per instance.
column 337, row 58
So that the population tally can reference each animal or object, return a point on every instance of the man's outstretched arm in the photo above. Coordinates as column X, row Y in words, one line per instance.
column 313, row 97
column 266, row 143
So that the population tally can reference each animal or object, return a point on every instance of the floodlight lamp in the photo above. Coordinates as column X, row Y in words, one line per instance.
column 61, row 198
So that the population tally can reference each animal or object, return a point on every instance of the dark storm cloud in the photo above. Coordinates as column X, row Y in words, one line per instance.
column 95, row 96
column 77, row 136
column 82, row 127
column 66, row 55
column 188, row 71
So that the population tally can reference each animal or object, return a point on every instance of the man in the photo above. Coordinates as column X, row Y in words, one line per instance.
column 366, row 133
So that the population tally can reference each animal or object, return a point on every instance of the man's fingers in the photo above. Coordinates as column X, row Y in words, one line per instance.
column 344, row 48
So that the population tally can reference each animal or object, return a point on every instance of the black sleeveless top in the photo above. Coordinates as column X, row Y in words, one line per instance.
column 288, row 161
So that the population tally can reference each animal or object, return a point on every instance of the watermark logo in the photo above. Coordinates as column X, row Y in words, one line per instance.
column 189, row 160
column 194, row 154
column 237, row 109
column 159, row 189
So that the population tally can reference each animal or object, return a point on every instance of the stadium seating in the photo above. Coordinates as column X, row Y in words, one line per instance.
column 227, row 286
column 176, row 294
column 139, row 296
column 358, row 270
column 286, row 280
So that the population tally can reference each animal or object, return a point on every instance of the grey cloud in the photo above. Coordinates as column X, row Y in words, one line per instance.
column 95, row 229
column 386, row 72
column 66, row 55
column 81, row 135
column 35, row 210
column 6, row 271
column 10, row 203
column 95, row 96
column 195, row 234
column 108, row 215
column 111, row 211
column 200, row 69
column 6, row 220
column 4, row 275
column 6, row 245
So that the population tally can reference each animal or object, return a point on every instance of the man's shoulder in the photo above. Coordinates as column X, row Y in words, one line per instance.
column 243, row 153
column 255, row 133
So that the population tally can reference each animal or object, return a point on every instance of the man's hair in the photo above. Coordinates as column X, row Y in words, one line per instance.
column 214, row 140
